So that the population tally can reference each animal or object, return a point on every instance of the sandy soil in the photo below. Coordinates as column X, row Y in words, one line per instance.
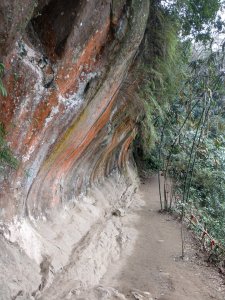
column 154, row 264
column 138, row 249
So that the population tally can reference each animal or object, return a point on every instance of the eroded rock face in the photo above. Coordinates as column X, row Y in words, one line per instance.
column 65, row 118
column 68, row 119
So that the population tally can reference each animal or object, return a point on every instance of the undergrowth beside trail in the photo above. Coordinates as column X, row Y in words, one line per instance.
column 182, row 132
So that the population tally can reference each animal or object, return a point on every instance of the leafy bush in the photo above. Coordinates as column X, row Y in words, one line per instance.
column 6, row 156
column 2, row 89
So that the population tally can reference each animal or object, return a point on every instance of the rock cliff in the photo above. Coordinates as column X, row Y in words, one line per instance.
column 70, row 122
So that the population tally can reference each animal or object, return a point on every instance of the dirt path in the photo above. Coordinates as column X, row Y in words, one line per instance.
column 154, row 264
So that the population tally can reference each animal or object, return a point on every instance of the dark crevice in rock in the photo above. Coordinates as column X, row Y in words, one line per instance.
column 49, row 29
column 20, row 293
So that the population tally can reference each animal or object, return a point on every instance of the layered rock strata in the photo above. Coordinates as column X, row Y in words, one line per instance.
column 70, row 123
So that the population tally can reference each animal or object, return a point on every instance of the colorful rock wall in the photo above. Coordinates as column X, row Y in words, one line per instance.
column 70, row 120
column 65, row 119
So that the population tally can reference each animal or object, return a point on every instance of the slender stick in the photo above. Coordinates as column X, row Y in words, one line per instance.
column 195, row 155
column 190, row 156
column 182, row 239
column 159, row 178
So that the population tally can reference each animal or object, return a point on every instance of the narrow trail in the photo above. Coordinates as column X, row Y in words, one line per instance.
column 154, row 264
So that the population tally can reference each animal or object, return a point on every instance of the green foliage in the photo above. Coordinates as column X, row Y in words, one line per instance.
column 3, row 91
column 6, row 156
column 193, row 145
column 164, row 70
column 183, row 131
column 197, row 17
column 207, row 190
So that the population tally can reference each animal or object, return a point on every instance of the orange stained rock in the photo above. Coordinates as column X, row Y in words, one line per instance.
column 8, row 107
column 75, row 142
column 81, row 136
column 68, row 161
column 70, row 70
column 7, row 104
column 39, row 117
column 124, row 150
column 123, row 129
column 72, row 73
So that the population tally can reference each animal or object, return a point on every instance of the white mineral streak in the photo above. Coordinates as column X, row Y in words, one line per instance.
column 32, row 171
column 73, row 101
column 54, row 112
column 30, row 60
column 34, row 96
column 27, row 156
